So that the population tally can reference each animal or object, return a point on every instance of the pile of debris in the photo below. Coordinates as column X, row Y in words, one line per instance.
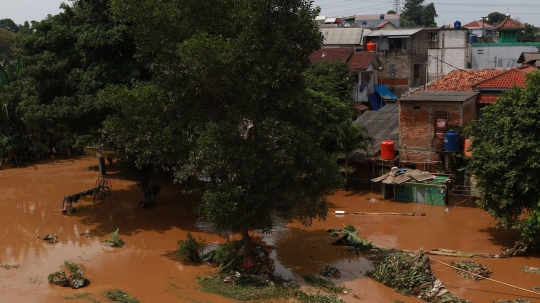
column 514, row 301
column 70, row 274
column 470, row 266
column 411, row 274
column 51, row 238
column 532, row 270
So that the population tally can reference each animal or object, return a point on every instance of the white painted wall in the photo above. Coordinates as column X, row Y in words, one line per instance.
column 450, row 54
column 498, row 56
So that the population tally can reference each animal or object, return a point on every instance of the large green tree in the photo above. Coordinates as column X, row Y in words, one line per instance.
column 412, row 13
column 506, row 158
column 495, row 18
column 428, row 15
column 530, row 34
column 69, row 57
column 331, row 78
column 230, row 96
column 9, row 25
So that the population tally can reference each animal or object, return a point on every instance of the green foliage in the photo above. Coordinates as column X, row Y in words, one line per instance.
column 324, row 284
column 215, row 285
column 428, row 15
column 412, row 13
column 530, row 34
column 9, row 25
column 6, row 41
column 506, row 158
column 352, row 137
column 391, row 12
column 333, row 79
column 118, row 295
column 191, row 248
column 495, row 18
column 254, row 137
column 227, row 253
column 114, row 240
column 69, row 57
column 472, row 267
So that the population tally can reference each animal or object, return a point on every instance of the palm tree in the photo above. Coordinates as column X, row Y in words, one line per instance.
column 351, row 137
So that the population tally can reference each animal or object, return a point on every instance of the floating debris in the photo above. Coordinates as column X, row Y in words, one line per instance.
column 535, row 287
column 411, row 274
column 514, row 301
column 71, row 274
column 472, row 267
column 51, row 238
column 7, row 266
column 118, row 295
column 533, row 270
column 331, row 271
column 370, row 199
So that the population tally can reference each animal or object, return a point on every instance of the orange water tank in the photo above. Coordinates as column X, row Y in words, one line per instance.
column 387, row 149
column 466, row 146
column 370, row 46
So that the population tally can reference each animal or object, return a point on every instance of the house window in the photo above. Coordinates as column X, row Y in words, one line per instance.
column 441, row 123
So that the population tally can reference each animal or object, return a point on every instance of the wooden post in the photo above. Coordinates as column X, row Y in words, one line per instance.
column 101, row 164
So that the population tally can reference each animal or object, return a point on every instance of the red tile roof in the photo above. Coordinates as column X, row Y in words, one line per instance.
column 459, row 80
column 478, row 24
column 507, row 79
column 383, row 24
column 510, row 23
column 331, row 54
column 361, row 60
column 487, row 99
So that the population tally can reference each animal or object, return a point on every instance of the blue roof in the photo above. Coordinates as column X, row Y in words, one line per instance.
column 384, row 92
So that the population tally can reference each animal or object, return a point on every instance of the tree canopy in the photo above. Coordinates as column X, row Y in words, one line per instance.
column 531, row 33
column 428, row 15
column 495, row 18
column 9, row 25
column 229, row 105
column 506, row 158
column 412, row 13
column 69, row 57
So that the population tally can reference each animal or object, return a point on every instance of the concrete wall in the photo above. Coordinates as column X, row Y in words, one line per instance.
column 417, row 129
column 447, row 53
column 497, row 55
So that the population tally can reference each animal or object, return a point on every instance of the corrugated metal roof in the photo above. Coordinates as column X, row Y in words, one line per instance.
column 381, row 125
column 347, row 36
column 440, row 96
column 378, row 17
column 528, row 56
column 340, row 54
column 394, row 32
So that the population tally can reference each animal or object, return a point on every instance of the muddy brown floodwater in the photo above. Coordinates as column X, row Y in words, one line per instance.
column 31, row 198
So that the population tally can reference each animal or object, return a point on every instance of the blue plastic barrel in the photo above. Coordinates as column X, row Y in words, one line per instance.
column 451, row 140
column 457, row 25
column 473, row 38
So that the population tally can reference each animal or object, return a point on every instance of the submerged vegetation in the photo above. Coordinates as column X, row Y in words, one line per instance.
column 118, row 295
column 114, row 241
column 191, row 248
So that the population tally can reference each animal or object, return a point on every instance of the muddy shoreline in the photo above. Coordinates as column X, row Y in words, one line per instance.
column 31, row 202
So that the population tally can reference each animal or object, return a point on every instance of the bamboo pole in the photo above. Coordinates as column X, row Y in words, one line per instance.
column 391, row 214
column 455, row 253
column 513, row 286
column 143, row 242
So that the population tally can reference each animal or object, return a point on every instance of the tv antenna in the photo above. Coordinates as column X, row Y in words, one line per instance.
column 396, row 6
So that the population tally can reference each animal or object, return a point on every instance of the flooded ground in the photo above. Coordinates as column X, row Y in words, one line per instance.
column 30, row 205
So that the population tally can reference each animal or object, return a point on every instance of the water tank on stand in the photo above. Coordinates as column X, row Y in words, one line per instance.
column 371, row 47
column 473, row 38
column 457, row 25
column 387, row 149
column 451, row 141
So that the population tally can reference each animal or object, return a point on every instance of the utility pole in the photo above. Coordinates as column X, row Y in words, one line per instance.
column 396, row 6
column 483, row 19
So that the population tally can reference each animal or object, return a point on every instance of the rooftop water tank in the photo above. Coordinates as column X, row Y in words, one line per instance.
column 457, row 25
column 370, row 46
column 473, row 38
column 451, row 141
column 387, row 149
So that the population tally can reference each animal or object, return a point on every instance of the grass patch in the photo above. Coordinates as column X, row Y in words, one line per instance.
column 7, row 266
column 118, row 295
column 215, row 285
column 82, row 295
column 324, row 284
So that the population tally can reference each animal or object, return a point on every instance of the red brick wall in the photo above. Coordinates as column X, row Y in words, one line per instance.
column 417, row 129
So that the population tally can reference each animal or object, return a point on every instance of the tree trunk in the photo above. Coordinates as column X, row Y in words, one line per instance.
column 347, row 173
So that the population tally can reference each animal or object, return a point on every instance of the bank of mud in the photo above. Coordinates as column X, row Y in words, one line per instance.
column 31, row 202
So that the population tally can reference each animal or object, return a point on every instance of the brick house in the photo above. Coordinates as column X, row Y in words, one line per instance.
column 424, row 117
column 403, row 52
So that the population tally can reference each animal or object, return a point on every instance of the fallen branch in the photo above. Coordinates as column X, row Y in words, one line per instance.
column 391, row 214
column 461, row 254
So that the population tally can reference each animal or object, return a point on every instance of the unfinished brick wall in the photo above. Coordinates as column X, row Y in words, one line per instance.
column 417, row 129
